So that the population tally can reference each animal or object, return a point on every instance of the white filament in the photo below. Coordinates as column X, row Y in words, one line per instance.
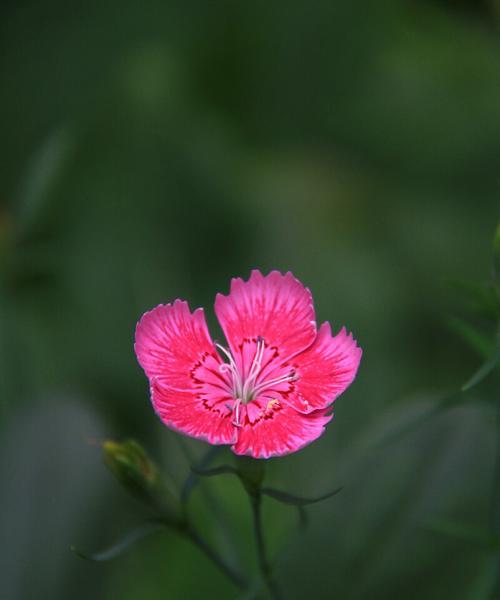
column 246, row 389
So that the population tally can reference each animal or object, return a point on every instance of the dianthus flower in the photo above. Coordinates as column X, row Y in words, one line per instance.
column 270, row 391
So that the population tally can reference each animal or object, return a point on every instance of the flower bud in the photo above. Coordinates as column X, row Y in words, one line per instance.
column 133, row 468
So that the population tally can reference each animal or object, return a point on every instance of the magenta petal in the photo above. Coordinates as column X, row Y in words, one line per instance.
column 169, row 341
column 325, row 370
column 275, row 307
column 189, row 414
column 283, row 432
column 188, row 391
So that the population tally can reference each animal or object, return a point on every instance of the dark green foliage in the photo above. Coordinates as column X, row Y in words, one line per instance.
column 154, row 150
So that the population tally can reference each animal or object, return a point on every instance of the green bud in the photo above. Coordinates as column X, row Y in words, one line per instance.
column 133, row 468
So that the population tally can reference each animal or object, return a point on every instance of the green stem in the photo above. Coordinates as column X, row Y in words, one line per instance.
column 203, row 545
column 495, row 492
column 495, row 501
column 264, row 565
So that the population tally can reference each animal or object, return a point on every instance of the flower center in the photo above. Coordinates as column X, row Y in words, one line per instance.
column 246, row 387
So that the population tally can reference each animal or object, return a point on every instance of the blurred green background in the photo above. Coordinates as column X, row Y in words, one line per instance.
column 153, row 150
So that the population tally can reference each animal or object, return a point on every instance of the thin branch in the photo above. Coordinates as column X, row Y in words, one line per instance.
column 495, row 499
column 264, row 565
column 203, row 545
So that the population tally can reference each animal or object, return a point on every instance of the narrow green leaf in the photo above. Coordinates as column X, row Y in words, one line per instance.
column 287, row 498
column 481, row 297
column 496, row 261
column 474, row 338
column 43, row 173
column 483, row 371
column 484, row 584
column 123, row 544
column 192, row 480
column 253, row 592
column 223, row 469
column 466, row 533
column 439, row 405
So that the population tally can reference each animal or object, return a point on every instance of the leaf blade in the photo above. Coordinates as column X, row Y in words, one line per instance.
column 119, row 547
column 222, row 470
column 287, row 498
column 192, row 480
column 474, row 338
column 460, row 531
column 483, row 371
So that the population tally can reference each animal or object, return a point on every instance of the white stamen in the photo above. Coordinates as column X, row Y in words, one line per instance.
column 254, row 369
column 246, row 389
column 236, row 421
column 227, row 353
column 272, row 382
column 232, row 368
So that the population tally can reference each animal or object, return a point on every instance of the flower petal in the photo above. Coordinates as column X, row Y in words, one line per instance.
column 275, row 307
column 188, row 391
column 325, row 370
column 188, row 413
column 169, row 341
column 282, row 431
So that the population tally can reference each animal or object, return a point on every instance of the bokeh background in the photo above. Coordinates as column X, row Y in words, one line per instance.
column 153, row 150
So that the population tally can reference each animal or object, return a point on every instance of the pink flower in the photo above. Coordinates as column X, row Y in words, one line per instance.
column 271, row 391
